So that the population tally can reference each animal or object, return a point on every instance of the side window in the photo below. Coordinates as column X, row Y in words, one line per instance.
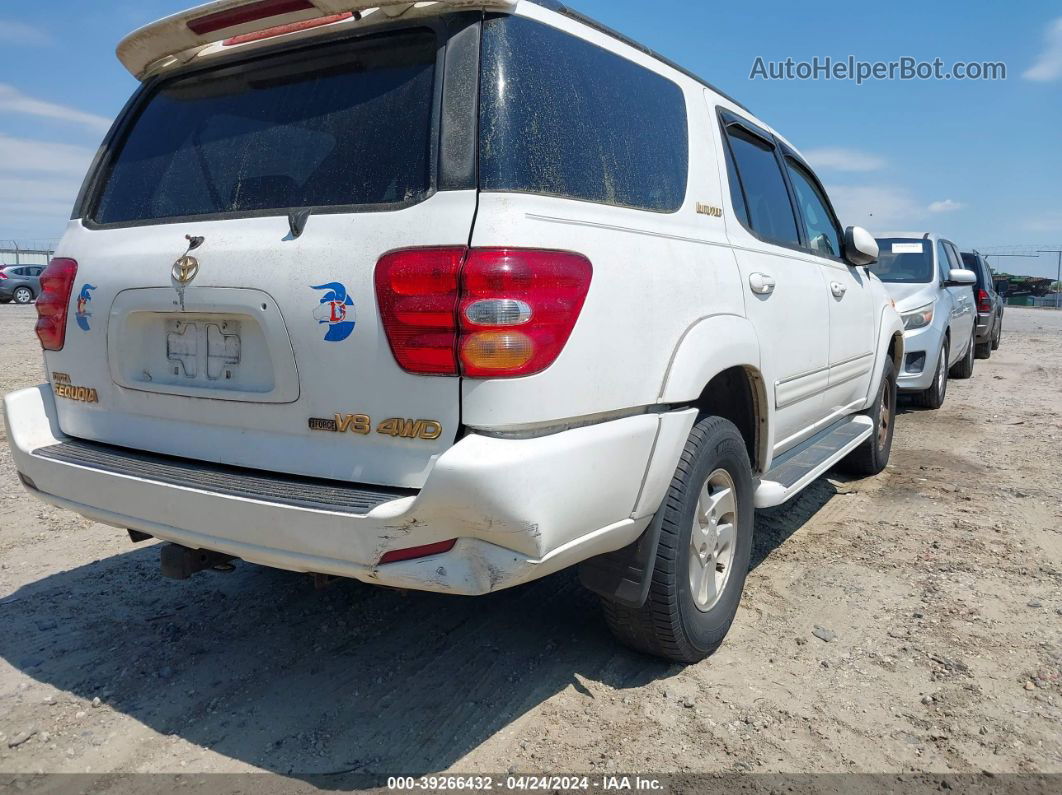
column 943, row 260
column 953, row 256
column 823, row 234
column 770, row 211
column 560, row 116
column 737, row 195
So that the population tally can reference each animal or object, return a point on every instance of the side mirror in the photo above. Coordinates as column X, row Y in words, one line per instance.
column 860, row 247
column 959, row 277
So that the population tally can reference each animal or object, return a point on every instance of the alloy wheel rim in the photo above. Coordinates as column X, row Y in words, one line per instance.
column 942, row 373
column 713, row 542
column 885, row 415
column 22, row 295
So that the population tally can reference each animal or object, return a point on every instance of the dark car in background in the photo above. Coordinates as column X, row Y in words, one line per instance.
column 20, row 283
column 989, row 305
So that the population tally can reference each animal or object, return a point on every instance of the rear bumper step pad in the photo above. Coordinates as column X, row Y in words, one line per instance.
column 325, row 495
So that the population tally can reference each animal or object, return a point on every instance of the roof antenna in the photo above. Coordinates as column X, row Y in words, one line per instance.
column 297, row 221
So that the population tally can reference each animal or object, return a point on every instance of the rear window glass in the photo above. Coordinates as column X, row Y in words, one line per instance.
column 973, row 262
column 904, row 261
column 562, row 117
column 347, row 124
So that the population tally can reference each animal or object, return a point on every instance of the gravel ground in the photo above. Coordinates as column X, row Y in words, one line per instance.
column 938, row 586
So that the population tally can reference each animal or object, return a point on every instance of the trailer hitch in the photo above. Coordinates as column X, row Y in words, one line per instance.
column 180, row 563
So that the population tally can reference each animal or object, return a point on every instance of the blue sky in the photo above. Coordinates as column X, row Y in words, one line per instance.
column 979, row 161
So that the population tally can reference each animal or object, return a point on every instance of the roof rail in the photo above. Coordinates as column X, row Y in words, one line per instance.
column 180, row 37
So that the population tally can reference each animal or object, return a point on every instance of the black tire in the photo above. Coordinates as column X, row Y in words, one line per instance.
column 984, row 350
column 965, row 368
column 670, row 624
column 23, row 295
column 872, row 456
column 998, row 338
column 933, row 398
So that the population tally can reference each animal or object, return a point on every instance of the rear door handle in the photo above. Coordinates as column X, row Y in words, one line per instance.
column 838, row 289
column 762, row 284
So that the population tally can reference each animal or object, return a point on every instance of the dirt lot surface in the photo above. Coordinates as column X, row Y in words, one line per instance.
column 939, row 585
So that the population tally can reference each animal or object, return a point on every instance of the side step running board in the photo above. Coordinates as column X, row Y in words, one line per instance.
column 807, row 462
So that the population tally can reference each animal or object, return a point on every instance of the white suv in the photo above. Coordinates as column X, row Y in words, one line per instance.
column 451, row 297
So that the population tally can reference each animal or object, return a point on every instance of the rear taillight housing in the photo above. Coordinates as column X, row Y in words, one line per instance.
column 481, row 313
column 417, row 291
column 2, row 276
column 984, row 302
column 518, row 309
column 53, row 304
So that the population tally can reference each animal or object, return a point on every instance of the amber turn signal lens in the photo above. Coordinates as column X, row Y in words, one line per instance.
column 497, row 350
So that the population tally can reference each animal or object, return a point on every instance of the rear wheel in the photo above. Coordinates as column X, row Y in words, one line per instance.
column 872, row 456
column 984, row 349
column 998, row 338
column 703, row 557
column 965, row 368
column 933, row 398
column 23, row 295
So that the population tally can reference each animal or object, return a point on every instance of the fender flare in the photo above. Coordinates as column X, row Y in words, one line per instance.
column 624, row 576
column 699, row 356
column 891, row 327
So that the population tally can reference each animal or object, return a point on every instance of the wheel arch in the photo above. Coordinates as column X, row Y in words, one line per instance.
column 890, row 344
column 716, row 368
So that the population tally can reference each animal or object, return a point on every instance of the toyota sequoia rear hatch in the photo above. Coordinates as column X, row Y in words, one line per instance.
column 222, row 263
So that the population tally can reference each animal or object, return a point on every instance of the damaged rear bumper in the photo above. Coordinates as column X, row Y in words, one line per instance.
column 520, row 509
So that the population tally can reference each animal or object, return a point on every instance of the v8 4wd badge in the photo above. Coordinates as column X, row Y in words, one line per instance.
column 360, row 424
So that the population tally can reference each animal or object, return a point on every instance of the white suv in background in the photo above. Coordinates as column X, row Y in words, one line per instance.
column 933, row 290
column 452, row 297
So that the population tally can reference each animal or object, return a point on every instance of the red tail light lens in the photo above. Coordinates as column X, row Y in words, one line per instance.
column 482, row 313
column 984, row 303
column 53, row 304
column 518, row 309
column 418, row 292
column 2, row 276
column 242, row 15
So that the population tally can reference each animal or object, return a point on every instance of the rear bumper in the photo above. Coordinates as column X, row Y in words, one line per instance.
column 985, row 328
column 520, row 508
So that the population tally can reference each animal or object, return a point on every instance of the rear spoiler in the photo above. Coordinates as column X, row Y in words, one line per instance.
column 179, row 38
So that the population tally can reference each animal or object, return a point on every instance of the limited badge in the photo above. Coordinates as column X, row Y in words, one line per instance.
column 336, row 312
column 83, row 300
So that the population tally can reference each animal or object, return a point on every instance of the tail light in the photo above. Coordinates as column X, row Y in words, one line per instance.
column 482, row 313
column 984, row 303
column 53, row 304
column 242, row 15
column 418, row 291
column 2, row 276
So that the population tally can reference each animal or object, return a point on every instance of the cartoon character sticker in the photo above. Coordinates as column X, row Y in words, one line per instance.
column 336, row 311
column 83, row 300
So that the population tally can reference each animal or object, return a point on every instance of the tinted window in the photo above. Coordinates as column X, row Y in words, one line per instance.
column 976, row 264
column 823, row 236
column 562, row 117
column 348, row 124
column 904, row 261
column 769, row 208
